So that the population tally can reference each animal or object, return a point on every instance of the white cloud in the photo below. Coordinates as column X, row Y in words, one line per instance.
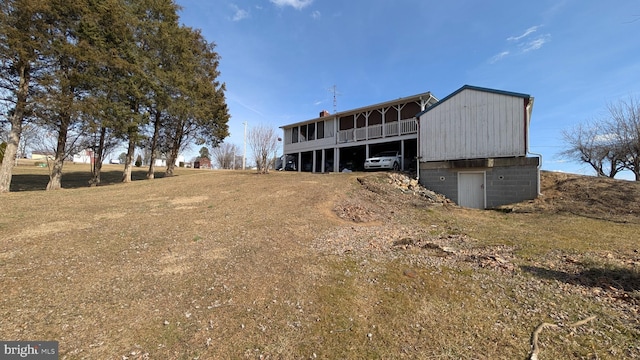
column 524, row 43
column 526, row 33
column 536, row 44
column 240, row 102
column 609, row 138
column 239, row 13
column 498, row 57
column 316, row 14
column 296, row 4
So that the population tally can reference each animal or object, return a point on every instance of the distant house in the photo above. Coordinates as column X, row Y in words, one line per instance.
column 202, row 163
column 84, row 157
column 474, row 145
column 41, row 155
column 162, row 161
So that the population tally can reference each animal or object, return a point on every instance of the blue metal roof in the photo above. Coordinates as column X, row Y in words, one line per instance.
column 477, row 88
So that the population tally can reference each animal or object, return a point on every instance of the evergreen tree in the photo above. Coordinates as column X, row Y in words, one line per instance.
column 94, row 73
column 22, row 29
column 65, row 85
column 157, row 43
column 204, row 153
column 198, row 110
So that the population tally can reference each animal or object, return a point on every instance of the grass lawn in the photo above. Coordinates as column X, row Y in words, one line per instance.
column 233, row 265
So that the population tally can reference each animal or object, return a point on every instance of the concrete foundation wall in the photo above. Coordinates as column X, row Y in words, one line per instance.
column 507, row 180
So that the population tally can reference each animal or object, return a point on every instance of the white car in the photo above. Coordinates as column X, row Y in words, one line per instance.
column 384, row 160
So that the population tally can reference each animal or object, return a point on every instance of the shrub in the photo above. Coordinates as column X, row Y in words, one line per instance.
column 138, row 162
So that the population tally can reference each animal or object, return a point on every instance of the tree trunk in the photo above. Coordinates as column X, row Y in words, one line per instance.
column 55, row 169
column 154, row 145
column 98, row 157
column 128, row 164
column 171, row 161
column 55, row 174
column 6, row 168
column 173, row 152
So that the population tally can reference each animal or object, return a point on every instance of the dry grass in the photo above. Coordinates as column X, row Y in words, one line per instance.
column 214, row 264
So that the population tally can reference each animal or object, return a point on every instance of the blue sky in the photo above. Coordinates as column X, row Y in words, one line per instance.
column 281, row 58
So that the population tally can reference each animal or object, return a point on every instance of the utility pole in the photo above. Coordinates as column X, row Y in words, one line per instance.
column 244, row 155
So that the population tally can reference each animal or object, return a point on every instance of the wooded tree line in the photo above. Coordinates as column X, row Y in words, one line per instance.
column 97, row 73
column 609, row 144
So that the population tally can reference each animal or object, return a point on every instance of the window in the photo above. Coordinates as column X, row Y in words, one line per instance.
column 320, row 130
column 312, row 131
column 294, row 135
column 303, row 133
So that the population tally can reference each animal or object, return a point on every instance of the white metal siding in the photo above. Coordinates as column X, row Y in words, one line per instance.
column 474, row 124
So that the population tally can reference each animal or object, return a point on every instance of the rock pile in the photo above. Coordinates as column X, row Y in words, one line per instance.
column 407, row 184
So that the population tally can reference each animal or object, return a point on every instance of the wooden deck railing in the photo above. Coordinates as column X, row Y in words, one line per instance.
column 397, row 128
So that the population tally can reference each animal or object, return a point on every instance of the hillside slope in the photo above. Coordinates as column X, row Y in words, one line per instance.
column 590, row 196
column 231, row 264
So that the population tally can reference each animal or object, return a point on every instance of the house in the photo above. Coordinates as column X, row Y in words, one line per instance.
column 335, row 142
column 474, row 145
column 202, row 163
column 84, row 157
column 162, row 161
column 42, row 155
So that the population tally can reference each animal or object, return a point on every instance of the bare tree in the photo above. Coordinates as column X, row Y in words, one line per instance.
column 263, row 140
column 27, row 139
column 47, row 142
column 609, row 144
column 591, row 144
column 224, row 155
column 624, row 122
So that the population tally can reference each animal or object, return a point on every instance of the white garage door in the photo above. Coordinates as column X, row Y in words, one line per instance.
column 471, row 192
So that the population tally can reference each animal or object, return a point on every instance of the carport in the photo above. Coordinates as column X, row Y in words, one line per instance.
column 352, row 158
column 407, row 148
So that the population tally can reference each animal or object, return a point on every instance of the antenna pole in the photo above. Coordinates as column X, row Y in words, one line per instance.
column 335, row 93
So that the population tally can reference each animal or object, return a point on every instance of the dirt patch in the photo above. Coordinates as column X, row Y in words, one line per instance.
column 358, row 211
column 188, row 200
column 109, row 216
column 51, row 228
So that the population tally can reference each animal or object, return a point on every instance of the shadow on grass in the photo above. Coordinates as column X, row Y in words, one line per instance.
column 35, row 182
column 619, row 278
